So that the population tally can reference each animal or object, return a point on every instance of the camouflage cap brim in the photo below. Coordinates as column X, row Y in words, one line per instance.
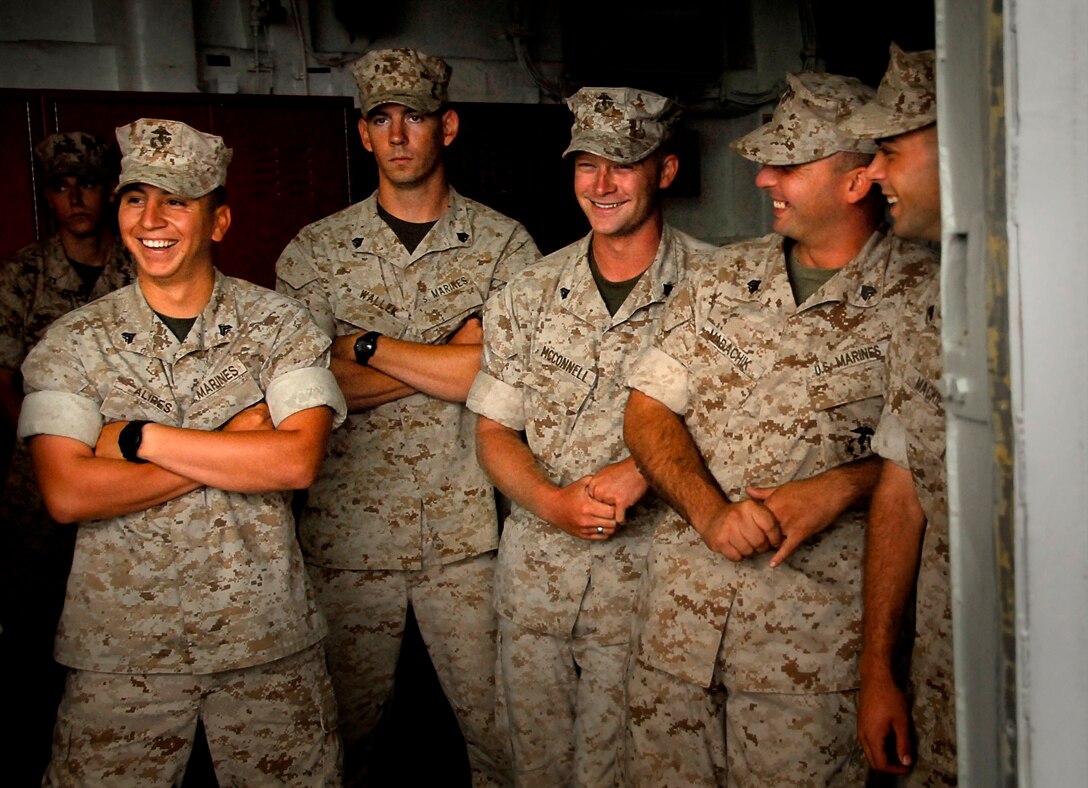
column 611, row 147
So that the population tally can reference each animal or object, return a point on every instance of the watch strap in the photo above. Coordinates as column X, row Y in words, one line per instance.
column 129, row 440
column 365, row 346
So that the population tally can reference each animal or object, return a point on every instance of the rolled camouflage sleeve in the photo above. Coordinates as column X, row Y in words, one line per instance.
column 60, row 413
column 296, row 374
column 497, row 393
column 890, row 439
column 660, row 372
column 60, row 398
column 657, row 374
column 299, row 389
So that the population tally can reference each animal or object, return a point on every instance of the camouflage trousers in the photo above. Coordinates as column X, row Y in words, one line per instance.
column 272, row 724
column 682, row 734
column 367, row 610
column 565, row 701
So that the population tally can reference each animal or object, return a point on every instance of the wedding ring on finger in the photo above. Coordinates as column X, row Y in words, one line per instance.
column 600, row 530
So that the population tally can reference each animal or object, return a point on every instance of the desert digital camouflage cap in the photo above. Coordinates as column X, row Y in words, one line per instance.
column 623, row 125
column 906, row 99
column 401, row 76
column 72, row 153
column 805, row 124
column 173, row 156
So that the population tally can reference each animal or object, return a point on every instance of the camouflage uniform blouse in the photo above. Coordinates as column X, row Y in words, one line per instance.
column 771, row 392
column 912, row 434
column 401, row 480
column 212, row 580
column 38, row 285
column 555, row 365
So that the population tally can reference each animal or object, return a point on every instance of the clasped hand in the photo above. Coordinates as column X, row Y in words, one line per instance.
column 595, row 506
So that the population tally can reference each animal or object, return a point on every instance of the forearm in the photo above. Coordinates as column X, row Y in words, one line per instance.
column 442, row 371
column 853, row 483
column 667, row 456
column 364, row 387
column 77, row 486
column 893, row 544
column 512, row 468
column 286, row 458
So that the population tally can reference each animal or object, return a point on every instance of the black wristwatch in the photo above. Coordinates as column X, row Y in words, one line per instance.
column 365, row 347
column 129, row 440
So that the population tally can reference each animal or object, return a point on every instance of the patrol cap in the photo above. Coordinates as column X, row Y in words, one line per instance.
column 805, row 124
column 623, row 125
column 173, row 156
column 906, row 99
column 72, row 153
column 401, row 76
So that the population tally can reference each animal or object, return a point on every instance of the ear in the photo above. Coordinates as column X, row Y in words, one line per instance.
column 221, row 222
column 364, row 135
column 670, row 165
column 451, row 123
column 858, row 184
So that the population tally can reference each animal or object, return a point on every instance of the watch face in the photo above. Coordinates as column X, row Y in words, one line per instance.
column 365, row 347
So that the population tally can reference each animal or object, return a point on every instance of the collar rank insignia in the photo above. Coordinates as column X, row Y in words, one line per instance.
column 224, row 330
column 356, row 242
column 564, row 292
column 128, row 336
column 667, row 289
column 754, row 284
column 867, row 292
column 462, row 237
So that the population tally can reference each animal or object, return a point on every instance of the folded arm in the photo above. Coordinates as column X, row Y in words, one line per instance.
column 80, row 483
column 400, row 368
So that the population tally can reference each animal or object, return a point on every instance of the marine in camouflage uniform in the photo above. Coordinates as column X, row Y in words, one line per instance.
column 79, row 263
column 557, row 351
column 401, row 514
column 908, row 537
column 174, row 442
column 752, row 414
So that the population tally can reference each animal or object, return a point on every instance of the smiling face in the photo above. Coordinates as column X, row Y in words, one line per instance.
column 807, row 198
column 170, row 237
column 619, row 199
column 407, row 144
column 905, row 167
column 78, row 204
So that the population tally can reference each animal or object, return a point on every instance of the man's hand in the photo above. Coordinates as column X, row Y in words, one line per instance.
column 619, row 484
column 255, row 417
column 106, row 446
column 471, row 332
column 884, row 724
column 797, row 508
column 575, row 511
column 742, row 529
